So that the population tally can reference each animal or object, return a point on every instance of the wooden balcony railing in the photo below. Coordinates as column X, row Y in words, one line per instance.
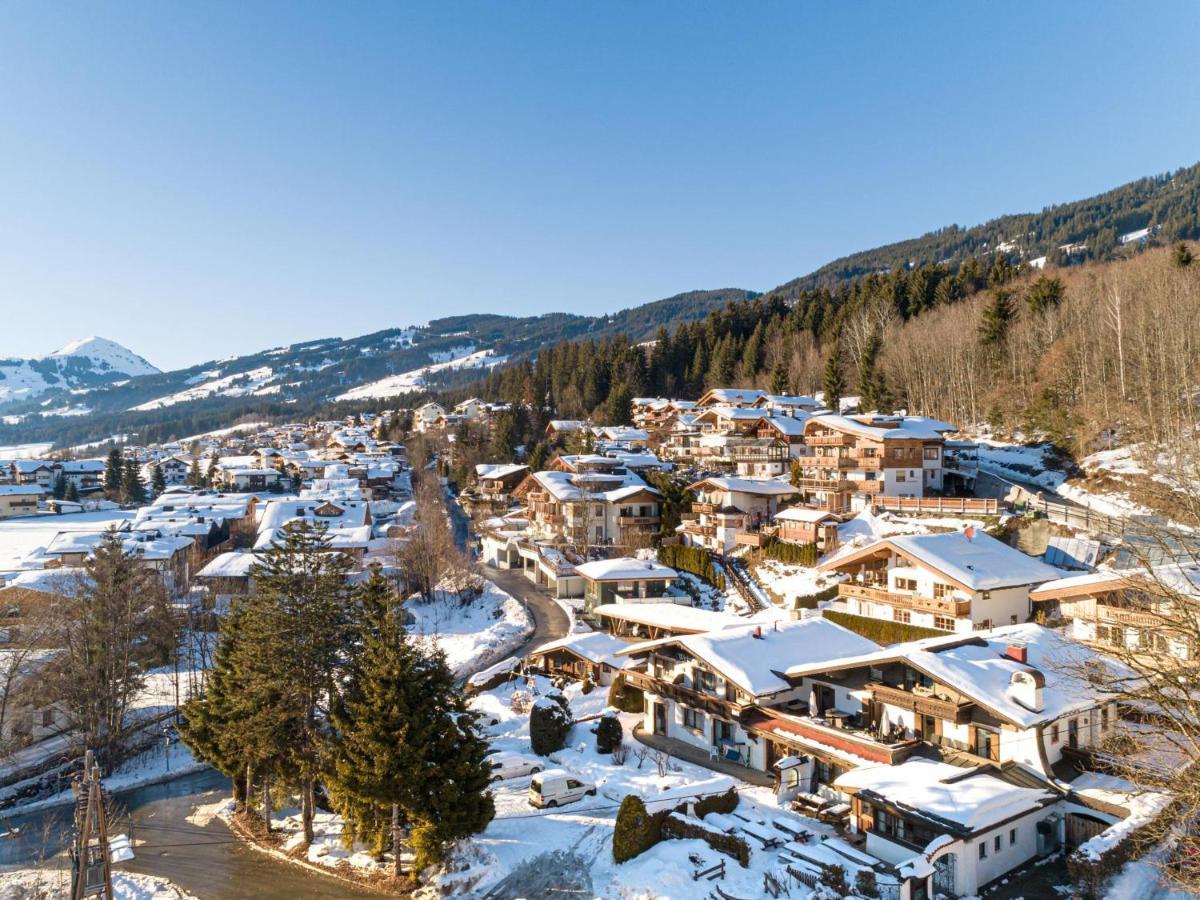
column 829, row 440
column 943, row 605
column 704, row 508
column 958, row 712
column 639, row 520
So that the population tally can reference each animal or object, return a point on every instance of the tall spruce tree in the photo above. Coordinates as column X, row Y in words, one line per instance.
column 133, row 489
column 158, row 481
column 834, row 382
column 779, row 379
column 210, row 475
column 114, row 472
column 195, row 477
column 997, row 316
column 59, row 489
column 72, row 494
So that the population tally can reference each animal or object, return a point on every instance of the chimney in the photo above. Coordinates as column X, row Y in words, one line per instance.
column 1017, row 653
column 969, row 532
column 758, row 632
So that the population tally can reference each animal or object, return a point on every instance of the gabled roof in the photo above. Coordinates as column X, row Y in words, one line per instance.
column 625, row 569
column 885, row 428
column 669, row 616
column 978, row 667
column 978, row 563
column 752, row 656
column 594, row 646
column 805, row 514
column 717, row 396
column 767, row 487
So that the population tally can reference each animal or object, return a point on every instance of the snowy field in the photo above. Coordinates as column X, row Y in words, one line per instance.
column 473, row 635
column 407, row 382
column 21, row 536
column 51, row 884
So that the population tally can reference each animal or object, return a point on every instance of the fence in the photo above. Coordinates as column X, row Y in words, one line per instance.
column 980, row 506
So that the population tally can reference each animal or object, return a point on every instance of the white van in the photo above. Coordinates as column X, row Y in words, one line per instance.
column 556, row 787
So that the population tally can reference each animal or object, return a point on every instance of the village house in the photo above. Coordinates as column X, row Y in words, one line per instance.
column 855, row 461
column 19, row 499
column 558, row 430
column 1132, row 609
column 599, row 503
column 32, row 472
column 740, row 397
column 425, row 415
column 494, row 484
column 732, row 511
column 804, row 525
column 86, row 474
column 587, row 656
column 239, row 479
column 955, row 581
column 649, row 620
column 624, row 580
column 787, row 405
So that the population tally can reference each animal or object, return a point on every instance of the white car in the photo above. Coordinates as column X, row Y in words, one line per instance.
column 556, row 787
column 513, row 765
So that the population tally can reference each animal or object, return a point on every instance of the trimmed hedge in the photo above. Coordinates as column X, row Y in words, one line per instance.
column 719, row 803
column 695, row 560
column 792, row 554
column 812, row 601
column 636, row 830
column 683, row 827
column 609, row 734
column 880, row 631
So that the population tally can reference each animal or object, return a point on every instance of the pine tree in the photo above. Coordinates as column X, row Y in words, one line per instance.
column 502, row 447
column 211, row 476
column 1043, row 294
column 195, row 478
column 72, row 492
column 59, row 490
column 618, row 409
column 834, row 382
column 114, row 471
column 779, row 379
column 538, row 456
column 133, row 489
column 158, row 481
column 997, row 315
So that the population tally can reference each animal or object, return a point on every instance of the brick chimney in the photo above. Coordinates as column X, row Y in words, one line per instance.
column 1017, row 653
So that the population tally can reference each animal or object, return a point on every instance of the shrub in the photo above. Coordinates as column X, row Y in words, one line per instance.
column 833, row 880
column 880, row 631
column 620, row 754
column 636, row 831
column 695, row 560
column 792, row 554
column 588, row 685
column 812, row 601
column 624, row 697
column 865, row 884
column 719, row 803
column 609, row 734
column 549, row 725
column 685, row 827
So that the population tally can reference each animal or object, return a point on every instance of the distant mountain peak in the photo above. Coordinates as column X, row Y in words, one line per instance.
column 107, row 355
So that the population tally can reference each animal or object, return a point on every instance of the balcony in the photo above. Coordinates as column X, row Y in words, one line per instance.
column 829, row 440
column 833, row 462
column 947, row 606
column 704, row 509
column 639, row 520
column 1135, row 618
column 824, row 484
column 958, row 712
column 710, row 703
column 777, row 724
column 700, row 530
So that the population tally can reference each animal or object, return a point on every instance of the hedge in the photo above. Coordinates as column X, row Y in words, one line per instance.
column 683, row 827
column 625, row 697
column 695, row 560
column 812, row 601
column 719, row 803
column 881, row 631
column 793, row 554
column 637, row 830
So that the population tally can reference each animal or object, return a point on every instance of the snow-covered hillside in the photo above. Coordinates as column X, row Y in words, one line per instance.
column 415, row 380
column 238, row 385
column 80, row 365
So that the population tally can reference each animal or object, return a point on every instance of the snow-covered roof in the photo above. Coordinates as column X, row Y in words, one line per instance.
column 625, row 568
column 564, row 486
column 751, row 655
column 20, row 490
column 228, row 565
column 804, row 514
column 792, row 426
column 595, row 646
column 764, row 486
column 730, row 395
column 45, row 581
column 978, row 563
column 565, row 424
column 670, row 616
column 498, row 470
column 978, row 667
column 971, row 800
column 891, row 428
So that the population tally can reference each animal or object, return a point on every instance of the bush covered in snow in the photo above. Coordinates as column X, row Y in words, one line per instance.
column 609, row 733
column 881, row 631
column 549, row 724
column 635, row 831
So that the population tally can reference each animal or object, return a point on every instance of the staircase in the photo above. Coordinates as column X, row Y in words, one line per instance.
column 737, row 575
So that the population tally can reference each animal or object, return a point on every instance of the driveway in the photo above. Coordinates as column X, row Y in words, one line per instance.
column 550, row 620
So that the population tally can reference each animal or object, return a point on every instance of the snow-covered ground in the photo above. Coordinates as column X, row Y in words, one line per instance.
column 19, row 537
column 50, row 884
column 475, row 634
column 25, row 451
column 1031, row 463
column 415, row 380
column 240, row 384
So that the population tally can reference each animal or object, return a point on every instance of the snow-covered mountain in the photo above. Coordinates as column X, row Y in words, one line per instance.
column 79, row 367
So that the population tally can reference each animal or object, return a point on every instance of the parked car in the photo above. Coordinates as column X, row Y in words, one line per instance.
column 513, row 765
column 556, row 787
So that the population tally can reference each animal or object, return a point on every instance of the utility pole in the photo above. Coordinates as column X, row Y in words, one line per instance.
column 91, row 870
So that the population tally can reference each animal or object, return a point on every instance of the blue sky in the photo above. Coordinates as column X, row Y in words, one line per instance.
column 201, row 180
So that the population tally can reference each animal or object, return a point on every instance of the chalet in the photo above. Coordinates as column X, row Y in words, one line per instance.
column 787, row 405
column 590, row 655
column 19, row 499
column 622, row 437
column 729, row 397
column 1132, row 609
column 174, row 470
column 766, row 457
column 86, row 474
column 789, row 429
column 32, row 472
column 699, row 688
column 804, row 525
column 857, row 459
column 624, row 580
column 426, row 414
column 956, row 581
column 239, row 479
column 732, row 511
column 599, row 504
column 471, row 410
column 559, row 429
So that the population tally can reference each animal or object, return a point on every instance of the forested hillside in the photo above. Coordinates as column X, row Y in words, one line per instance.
column 1077, row 355
column 1069, row 233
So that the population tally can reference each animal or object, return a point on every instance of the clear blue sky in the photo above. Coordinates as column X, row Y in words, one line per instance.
column 199, row 180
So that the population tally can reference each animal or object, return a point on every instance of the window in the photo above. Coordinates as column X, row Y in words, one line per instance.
column 906, row 584
column 900, row 476
column 706, row 681
column 943, row 623
column 999, row 843
column 931, row 453
column 902, row 615
column 1103, row 717
column 1012, row 620
column 897, row 453
column 693, row 719
column 47, row 718
column 1054, row 735
column 983, row 849
column 1012, row 837
column 941, row 591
